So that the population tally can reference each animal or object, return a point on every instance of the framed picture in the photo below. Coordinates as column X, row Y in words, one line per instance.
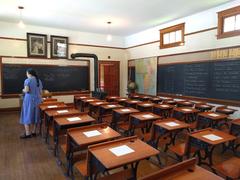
column 37, row 45
column 59, row 47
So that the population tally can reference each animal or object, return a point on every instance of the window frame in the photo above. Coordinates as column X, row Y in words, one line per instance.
column 170, row 29
column 225, row 14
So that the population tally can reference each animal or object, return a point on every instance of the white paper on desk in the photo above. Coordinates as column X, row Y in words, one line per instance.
column 99, row 103
column 111, row 105
column 62, row 111
column 134, row 101
column 123, row 99
column 121, row 150
column 83, row 97
column 172, row 124
column 228, row 110
column 52, row 106
column 204, row 106
column 74, row 119
column 125, row 110
column 92, row 133
column 212, row 137
column 213, row 115
column 187, row 110
column 164, row 105
column 147, row 116
column 147, row 104
column 89, row 100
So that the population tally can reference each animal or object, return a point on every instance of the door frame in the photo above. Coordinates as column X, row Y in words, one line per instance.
column 107, row 62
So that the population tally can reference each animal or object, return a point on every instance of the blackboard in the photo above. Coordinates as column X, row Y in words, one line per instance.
column 219, row 79
column 54, row 78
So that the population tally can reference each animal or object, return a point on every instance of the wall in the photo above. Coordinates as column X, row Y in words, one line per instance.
column 193, row 42
column 13, row 44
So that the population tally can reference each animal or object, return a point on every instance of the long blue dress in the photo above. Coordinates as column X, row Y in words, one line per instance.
column 30, row 111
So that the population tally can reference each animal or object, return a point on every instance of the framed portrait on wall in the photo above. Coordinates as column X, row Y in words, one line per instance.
column 59, row 47
column 37, row 45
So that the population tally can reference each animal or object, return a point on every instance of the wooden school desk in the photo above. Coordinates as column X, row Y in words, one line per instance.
column 156, row 100
column 94, row 107
column 144, row 98
column 78, row 98
column 85, row 102
column 79, row 141
column 186, row 114
column 121, row 115
column 106, row 110
column 164, row 110
column 235, row 130
column 145, row 106
column 49, row 99
column 171, row 102
column 169, row 126
column 111, row 98
column 212, row 117
column 50, row 114
column 184, row 104
column 105, row 159
column 134, row 96
column 207, row 140
column 203, row 107
column 132, row 103
column 225, row 110
column 121, row 100
column 66, row 122
column 186, row 170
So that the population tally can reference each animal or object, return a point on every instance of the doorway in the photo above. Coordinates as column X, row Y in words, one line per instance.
column 109, row 77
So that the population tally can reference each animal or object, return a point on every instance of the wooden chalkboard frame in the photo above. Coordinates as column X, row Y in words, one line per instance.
column 218, row 101
column 44, row 65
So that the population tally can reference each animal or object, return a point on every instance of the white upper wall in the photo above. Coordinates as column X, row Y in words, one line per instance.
column 13, row 31
column 196, row 22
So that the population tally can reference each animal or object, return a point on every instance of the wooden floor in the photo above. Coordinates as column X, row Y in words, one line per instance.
column 31, row 159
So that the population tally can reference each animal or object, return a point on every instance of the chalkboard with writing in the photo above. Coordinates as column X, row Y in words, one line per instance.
column 54, row 78
column 218, row 79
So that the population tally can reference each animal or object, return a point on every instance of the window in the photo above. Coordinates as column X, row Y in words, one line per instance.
column 229, row 23
column 172, row 36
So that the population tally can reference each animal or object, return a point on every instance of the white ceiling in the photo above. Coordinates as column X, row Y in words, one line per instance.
column 127, row 16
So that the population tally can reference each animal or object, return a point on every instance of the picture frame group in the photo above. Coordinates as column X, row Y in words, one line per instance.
column 37, row 46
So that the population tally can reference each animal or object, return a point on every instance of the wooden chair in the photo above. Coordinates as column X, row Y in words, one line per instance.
column 229, row 168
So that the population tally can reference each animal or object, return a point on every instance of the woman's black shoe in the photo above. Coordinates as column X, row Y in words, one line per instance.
column 34, row 134
column 24, row 136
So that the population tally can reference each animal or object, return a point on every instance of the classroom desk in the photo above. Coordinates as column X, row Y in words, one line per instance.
column 143, row 118
column 65, row 122
column 186, row 170
column 145, row 106
column 156, row 100
column 78, row 98
column 105, row 159
column 106, row 110
column 184, row 104
column 78, row 140
column 121, row 100
column 94, row 106
column 235, row 130
column 49, row 99
column 134, row 96
column 50, row 114
column 198, row 140
column 111, row 98
column 212, row 118
column 164, row 110
column 144, row 98
column 186, row 114
column 171, row 102
column 169, row 126
column 203, row 107
column 86, row 102
column 132, row 103
column 121, row 114
column 225, row 110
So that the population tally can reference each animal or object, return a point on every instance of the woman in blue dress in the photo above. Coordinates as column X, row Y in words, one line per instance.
column 30, row 115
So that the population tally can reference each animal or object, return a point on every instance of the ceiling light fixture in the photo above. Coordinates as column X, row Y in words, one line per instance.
column 21, row 23
column 109, row 36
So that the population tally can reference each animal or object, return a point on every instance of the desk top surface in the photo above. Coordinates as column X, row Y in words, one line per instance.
column 125, row 110
column 74, row 119
column 104, row 133
column 145, row 116
column 64, row 111
column 111, row 106
column 146, row 104
column 164, row 106
column 186, row 110
column 171, row 124
column 213, row 115
column 213, row 136
column 140, row 151
column 52, row 106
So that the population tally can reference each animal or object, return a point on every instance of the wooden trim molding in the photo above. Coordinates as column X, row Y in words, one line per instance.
column 225, row 14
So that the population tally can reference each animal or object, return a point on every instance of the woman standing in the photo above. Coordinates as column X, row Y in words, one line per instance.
column 32, row 98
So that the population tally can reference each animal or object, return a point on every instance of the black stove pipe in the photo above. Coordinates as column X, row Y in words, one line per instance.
column 95, row 58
